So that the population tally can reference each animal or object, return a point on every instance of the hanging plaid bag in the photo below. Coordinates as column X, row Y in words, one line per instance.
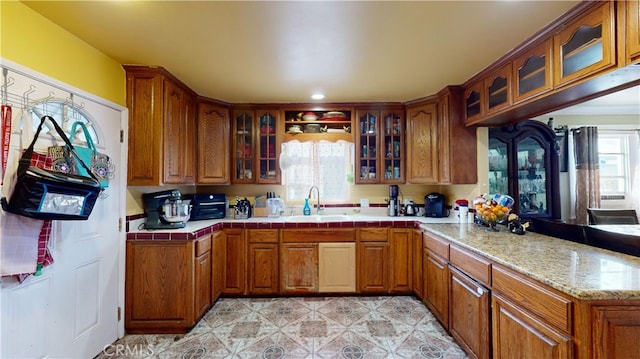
column 44, row 194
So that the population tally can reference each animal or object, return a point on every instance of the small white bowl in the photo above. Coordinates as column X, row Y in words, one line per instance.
column 309, row 117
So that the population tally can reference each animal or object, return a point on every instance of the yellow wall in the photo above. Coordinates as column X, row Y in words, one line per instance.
column 31, row 40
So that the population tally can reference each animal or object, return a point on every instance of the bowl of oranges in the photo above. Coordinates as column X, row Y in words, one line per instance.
column 491, row 210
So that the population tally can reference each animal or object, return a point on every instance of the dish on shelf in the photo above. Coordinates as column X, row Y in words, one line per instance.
column 294, row 131
column 312, row 128
column 309, row 116
column 334, row 114
column 325, row 118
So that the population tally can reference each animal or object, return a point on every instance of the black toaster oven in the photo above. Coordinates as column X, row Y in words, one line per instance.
column 207, row 206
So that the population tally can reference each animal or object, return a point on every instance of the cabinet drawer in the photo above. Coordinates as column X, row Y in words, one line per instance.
column 263, row 235
column 437, row 245
column 373, row 234
column 317, row 235
column 549, row 306
column 203, row 245
column 474, row 266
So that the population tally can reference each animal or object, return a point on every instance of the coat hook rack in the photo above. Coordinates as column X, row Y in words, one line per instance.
column 25, row 96
column 6, row 83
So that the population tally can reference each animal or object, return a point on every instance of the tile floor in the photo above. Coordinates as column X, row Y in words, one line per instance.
column 302, row 327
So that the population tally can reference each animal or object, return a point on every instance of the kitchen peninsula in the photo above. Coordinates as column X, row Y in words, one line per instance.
column 495, row 292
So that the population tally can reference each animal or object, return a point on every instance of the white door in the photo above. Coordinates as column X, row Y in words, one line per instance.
column 71, row 310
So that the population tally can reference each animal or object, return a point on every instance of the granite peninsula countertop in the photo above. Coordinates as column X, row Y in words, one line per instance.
column 581, row 271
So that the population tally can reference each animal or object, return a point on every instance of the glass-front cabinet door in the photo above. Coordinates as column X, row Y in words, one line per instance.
column 523, row 163
column 380, row 156
column 367, row 142
column 268, row 148
column 498, row 175
column 532, row 177
column 394, row 157
column 242, row 161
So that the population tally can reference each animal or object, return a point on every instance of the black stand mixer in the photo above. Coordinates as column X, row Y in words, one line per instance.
column 166, row 210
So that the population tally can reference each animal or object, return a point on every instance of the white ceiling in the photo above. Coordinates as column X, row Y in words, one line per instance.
column 625, row 102
column 283, row 51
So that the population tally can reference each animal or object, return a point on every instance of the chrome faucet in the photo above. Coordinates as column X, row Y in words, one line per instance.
column 318, row 209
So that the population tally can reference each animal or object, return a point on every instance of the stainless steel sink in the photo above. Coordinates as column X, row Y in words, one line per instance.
column 319, row 218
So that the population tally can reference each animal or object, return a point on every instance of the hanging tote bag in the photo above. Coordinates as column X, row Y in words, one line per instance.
column 44, row 194
column 100, row 163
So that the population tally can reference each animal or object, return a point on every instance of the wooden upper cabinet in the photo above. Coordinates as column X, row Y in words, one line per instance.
column 161, row 119
column 632, row 31
column 457, row 144
column 268, row 146
column 213, row 144
column 532, row 72
column 242, row 157
column 497, row 89
column 255, row 146
column 473, row 102
column 380, row 137
column 191, row 138
column 488, row 95
column 175, row 138
column 422, row 144
column 586, row 45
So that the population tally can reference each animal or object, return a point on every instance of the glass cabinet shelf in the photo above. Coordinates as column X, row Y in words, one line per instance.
column 523, row 163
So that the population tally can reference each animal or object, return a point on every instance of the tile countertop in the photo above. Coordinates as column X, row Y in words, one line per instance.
column 584, row 272
column 195, row 229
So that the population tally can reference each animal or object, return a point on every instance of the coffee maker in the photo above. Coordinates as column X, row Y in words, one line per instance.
column 394, row 204
column 166, row 210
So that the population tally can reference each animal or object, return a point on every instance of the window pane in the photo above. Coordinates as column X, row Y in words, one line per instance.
column 611, row 165
column 611, row 185
column 609, row 145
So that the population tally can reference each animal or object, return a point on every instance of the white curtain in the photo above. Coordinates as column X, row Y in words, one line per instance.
column 328, row 165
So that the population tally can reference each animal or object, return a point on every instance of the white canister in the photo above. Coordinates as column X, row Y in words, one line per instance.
column 463, row 212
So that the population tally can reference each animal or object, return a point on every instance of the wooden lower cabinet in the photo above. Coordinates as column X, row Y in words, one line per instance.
column 166, row 285
column 202, row 275
column 373, row 260
column 263, row 261
column 469, row 314
column 518, row 334
column 373, row 267
column 400, row 244
column 436, row 277
column 218, row 250
column 436, row 284
column 417, row 271
column 235, row 270
column 299, row 268
column 616, row 330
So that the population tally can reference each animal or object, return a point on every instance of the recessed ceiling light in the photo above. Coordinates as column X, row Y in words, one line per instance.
column 317, row 96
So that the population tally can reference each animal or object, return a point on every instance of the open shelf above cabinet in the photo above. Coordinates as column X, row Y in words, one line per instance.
column 308, row 125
